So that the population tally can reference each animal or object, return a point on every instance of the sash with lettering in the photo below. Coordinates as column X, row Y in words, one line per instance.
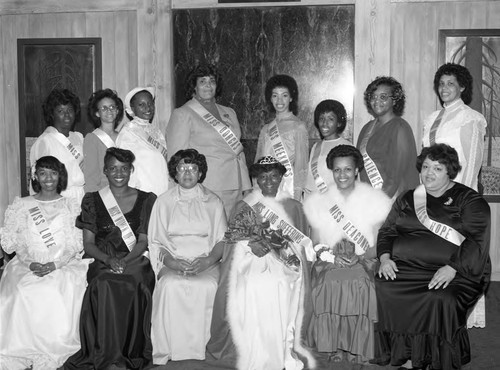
column 41, row 223
column 104, row 137
column 361, row 243
column 275, row 220
column 222, row 129
column 149, row 140
column 117, row 216
column 444, row 231
column 69, row 147
column 371, row 169
column 318, row 180
column 281, row 155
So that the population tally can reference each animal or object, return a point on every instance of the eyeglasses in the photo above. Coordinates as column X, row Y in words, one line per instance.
column 381, row 97
column 111, row 108
column 181, row 168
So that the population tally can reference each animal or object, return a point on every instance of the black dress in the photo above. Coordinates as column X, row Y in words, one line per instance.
column 115, row 322
column 429, row 326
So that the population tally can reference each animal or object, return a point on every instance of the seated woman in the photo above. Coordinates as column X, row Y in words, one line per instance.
column 345, row 221
column 434, row 265
column 187, row 224
column 115, row 322
column 42, row 287
column 259, row 305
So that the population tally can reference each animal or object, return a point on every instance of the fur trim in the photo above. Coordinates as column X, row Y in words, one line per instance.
column 366, row 207
column 233, row 315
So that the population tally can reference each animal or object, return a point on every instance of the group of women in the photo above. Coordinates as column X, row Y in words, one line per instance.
column 173, row 255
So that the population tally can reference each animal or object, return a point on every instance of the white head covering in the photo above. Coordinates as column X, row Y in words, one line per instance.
column 131, row 94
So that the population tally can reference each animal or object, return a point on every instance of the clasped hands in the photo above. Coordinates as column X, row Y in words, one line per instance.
column 117, row 265
column 42, row 269
column 191, row 268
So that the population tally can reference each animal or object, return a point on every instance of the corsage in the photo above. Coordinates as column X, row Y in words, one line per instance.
column 324, row 253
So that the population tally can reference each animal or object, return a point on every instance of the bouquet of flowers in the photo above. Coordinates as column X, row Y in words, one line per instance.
column 247, row 225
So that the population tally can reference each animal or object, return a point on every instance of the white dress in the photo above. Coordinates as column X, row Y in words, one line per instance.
column 150, row 167
column 462, row 128
column 187, row 223
column 47, row 144
column 40, row 315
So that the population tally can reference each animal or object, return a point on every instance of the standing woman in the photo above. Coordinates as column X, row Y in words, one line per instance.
column 115, row 322
column 42, row 287
column 105, row 111
column 330, row 119
column 214, row 131
column 457, row 124
column 285, row 138
column 387, row 142
column 61, row 110
column 143, row 137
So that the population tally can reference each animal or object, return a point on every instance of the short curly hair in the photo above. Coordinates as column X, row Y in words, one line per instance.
column 442, row 153
column 283, row 81
column 463, row 77
column 60, row 97
column 51, row 163
column 397, row 94
column 94, row 100
column 334, row 106
column 122, row 155
column 257, row 169
column 189, row 156
column 202, row 70
column 344, row 150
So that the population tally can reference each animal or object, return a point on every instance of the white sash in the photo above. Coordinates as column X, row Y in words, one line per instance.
column 222, row 129
column 318, row 180
column 149, row 140
column 444, row 231
column 117, row 216
column 104, row 137
column 70, row 147
column 361, row 243
column 41, row 224
column 253, row 200
column 371, row 168
column 282, row 156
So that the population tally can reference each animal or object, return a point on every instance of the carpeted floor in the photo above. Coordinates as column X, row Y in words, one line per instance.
column 485, row 345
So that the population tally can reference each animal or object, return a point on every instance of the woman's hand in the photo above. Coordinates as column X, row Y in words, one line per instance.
column 387, row 267
column 200, row 264
column 117, row 265
column 258, row 248
column 442, row 277
column 40, row 269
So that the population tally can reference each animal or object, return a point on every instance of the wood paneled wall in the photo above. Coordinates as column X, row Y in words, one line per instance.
column 136, row 51
column 392, row 37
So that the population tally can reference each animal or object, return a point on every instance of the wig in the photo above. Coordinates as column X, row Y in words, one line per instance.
column 189, row 156
column 94, row 100
column 60, row 97
column 397, row 94
column 51, row 163
column 444, row 154
column 463, row 77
